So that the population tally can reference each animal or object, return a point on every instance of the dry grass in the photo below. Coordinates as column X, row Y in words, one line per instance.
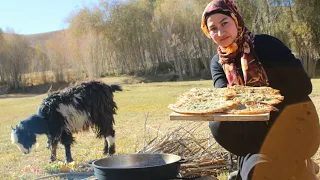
column 38, row 78
column 203, row 156
column 134, row 103
column 137, row 103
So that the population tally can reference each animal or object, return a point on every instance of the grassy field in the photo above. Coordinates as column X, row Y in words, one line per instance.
column 138, row 103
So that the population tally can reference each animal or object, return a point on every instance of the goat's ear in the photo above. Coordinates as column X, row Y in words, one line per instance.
column 49, row 90
column 115, row 88
column 13, row 128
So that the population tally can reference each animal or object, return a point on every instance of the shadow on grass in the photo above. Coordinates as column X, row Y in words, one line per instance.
column 168, row 78
column 83, row 172
column 31, row 91
column 35, row 90
column 16, row 96
column 70, row 175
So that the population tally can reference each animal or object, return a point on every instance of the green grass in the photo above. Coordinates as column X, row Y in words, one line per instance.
column 137, row 104
column 316, row 86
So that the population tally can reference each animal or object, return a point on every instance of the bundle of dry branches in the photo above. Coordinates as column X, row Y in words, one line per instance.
column 194, row 143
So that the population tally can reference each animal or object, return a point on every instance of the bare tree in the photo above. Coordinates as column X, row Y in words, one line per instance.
column 14, row 59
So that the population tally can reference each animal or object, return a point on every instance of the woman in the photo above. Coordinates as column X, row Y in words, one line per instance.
column 278, row 148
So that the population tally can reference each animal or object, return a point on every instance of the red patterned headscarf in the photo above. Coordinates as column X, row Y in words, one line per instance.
column 253, row 71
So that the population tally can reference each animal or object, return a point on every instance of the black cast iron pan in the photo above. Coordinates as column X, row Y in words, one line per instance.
column 138, row 167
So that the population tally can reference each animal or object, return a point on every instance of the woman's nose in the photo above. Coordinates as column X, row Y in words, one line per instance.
column 219, row 32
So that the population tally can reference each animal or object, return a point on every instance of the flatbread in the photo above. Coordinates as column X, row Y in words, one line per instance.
column 236, row 99
column 271, row 99
column 197, row 106
column 252, row 108
column 247, row 89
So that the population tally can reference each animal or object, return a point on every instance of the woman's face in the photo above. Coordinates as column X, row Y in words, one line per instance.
column 222, row 29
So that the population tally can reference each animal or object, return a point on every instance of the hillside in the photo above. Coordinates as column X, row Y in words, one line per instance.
column 40, row 38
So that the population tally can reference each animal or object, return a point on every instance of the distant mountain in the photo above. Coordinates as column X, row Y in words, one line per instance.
column 40, row 38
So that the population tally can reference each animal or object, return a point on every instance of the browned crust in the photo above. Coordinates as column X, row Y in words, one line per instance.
column 250, row 112
column 197, row 113
column 280, row 98
column 275, row 98
column 269, row 90
column 254, row 108
column 196, row 95
column 272, row 102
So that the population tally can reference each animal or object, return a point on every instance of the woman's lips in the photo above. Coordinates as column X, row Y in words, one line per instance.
column 223, row 39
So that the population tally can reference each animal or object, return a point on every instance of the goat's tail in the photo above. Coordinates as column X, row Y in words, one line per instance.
column 115, row 87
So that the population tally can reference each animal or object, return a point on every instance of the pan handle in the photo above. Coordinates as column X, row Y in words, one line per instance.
column 193, row 178
column 182, row 160
column 91, row 161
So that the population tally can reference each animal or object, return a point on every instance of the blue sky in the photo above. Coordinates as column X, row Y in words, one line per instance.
column 37, row 16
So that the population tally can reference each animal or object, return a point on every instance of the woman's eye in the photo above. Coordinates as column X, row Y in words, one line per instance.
column 213, row 29
column 224, row 23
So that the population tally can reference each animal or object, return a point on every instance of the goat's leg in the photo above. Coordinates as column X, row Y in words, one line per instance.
column 68, row 153
column 53, row 155
column 109, row 143
column 48, row 144
column 67, row 140
column 230, row 162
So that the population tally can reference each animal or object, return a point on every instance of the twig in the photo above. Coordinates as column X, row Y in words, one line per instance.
column 143, row 149
column 66, row 174
column 158, row 131
column 190, row 142
column 145, row 128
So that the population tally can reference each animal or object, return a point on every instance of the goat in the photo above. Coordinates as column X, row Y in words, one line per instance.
column 80, row 107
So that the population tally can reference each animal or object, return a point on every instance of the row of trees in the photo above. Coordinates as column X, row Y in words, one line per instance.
column 144, row 37
column 14, row 52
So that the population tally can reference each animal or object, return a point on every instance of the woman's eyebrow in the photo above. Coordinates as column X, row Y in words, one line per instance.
column 212, row 26
column 219, row 22
column 223, row 20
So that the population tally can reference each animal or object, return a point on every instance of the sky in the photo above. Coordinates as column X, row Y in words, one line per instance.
column 37, row 16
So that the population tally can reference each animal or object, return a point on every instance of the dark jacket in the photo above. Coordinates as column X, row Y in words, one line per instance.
column 292, row 126
column 284, row 71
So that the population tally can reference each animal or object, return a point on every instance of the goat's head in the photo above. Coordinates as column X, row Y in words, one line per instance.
column 23, row 139
column 115, row 87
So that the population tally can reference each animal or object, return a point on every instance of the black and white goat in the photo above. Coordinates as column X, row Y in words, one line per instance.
column 74, row 109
